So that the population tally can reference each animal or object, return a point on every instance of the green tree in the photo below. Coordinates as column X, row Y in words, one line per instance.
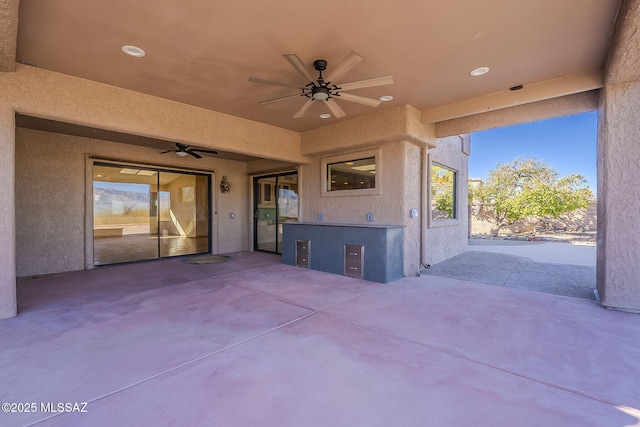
column 443, row 192
column 529, row 187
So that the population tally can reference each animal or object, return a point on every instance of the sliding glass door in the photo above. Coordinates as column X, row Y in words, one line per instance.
column 275, row 202
column 141, row 213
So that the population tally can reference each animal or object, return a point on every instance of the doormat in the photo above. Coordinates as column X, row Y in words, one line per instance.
column 207, row 259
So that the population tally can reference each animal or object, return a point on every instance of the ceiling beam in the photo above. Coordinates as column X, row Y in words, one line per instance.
column 8, row 34
column 509, row 98
column 541, row 110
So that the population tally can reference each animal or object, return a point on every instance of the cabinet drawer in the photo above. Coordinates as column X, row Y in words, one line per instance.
column 354, row 260
column 302, row 253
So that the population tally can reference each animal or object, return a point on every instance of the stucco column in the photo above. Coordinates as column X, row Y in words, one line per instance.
column 8, row 302
column 618, row 252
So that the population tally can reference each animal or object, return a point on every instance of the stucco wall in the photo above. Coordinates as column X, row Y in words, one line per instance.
column 394, row 124
column 618, row 251
column 413, row 195
column 398, row 177
column 526, row 113
column 8, row 301
column 446, row 238
column 352, row 209
column 45, row 94
column 50, row 202
column 400, row 138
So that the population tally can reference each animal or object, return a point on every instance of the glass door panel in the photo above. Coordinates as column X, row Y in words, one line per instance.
column 183, row 208
column 287, row 204
column 142, row 214
column 124, row 214
column 265, row 214
column 275, row 202
column 203, row 214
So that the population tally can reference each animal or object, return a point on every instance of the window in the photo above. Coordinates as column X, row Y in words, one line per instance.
column 443, row 192
column 358, row 174
column 267, row 193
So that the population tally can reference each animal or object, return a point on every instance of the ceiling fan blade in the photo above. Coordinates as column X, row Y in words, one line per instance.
column 335, row 108
column 359, row 99
column 280, row 99
column 360, row 84
column 298, row 65
column 168, row 151
column 194, row 154
column 303, row 110
column 347, row 63
column 204, row 151
column 269, row 82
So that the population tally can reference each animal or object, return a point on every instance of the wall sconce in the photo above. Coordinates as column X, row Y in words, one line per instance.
column 224, row 184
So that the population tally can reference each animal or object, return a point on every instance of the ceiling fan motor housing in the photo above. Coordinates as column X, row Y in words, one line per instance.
column 320, row 64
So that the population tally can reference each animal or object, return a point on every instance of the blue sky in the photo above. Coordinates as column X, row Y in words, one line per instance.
column 567, row 144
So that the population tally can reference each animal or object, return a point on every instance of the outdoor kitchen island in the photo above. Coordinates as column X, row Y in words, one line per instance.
column 371, row 252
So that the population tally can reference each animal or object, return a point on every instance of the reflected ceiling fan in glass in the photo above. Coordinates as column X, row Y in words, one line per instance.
column 184, row 150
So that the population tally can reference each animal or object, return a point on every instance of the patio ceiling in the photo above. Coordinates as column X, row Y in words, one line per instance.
column 202, row 53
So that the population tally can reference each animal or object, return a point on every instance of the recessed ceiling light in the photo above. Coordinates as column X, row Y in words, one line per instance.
column 133, row 51
column 386, row 98
column 479, row 71
column 325, row 116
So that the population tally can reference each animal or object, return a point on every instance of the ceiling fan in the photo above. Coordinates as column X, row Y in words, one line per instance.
column 327, row 90
column 184, row 150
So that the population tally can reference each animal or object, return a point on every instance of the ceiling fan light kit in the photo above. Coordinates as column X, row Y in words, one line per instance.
column 321, row 89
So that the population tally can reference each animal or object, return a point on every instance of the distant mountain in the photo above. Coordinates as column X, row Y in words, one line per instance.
column 109, row 201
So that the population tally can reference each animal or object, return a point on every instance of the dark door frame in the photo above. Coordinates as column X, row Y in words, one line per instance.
column 256, row 202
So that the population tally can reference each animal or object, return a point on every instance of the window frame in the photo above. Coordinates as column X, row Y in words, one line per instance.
column 444, row 222
column 325, row 162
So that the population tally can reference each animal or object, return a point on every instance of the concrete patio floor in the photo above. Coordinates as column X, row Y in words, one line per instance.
column 253, row 342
